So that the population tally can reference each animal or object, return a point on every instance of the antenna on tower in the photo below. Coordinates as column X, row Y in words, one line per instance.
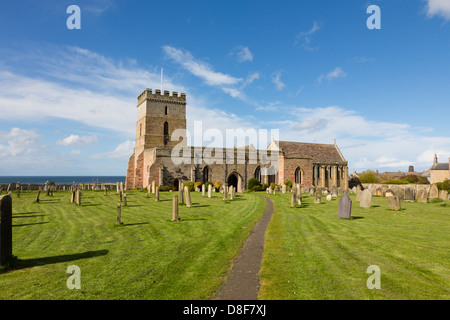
column 161, row 79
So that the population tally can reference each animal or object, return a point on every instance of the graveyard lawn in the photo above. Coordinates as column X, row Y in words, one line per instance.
column 310, row 253
column 147, row 257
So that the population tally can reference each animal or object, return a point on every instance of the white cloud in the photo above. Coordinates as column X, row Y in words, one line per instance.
column 75, row 152
column 365, row 143
column 19, row 142
column 122, row 152
column 304, row 37
column 276, row 79
column 244, row 54
column 199, row 68
column 76, row 140
column 335, row 74
column 439, row 7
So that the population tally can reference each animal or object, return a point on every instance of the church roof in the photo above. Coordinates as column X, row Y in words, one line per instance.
column 318, row 152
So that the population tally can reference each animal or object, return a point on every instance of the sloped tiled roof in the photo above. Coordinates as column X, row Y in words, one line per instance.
column 440, row 166
column 318, row 152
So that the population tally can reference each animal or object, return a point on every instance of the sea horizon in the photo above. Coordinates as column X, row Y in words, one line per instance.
column 61, row 179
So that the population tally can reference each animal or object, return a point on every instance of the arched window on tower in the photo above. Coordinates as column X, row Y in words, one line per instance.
column 166, row 133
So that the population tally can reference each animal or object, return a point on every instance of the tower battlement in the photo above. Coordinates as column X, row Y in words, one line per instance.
column 148, row 94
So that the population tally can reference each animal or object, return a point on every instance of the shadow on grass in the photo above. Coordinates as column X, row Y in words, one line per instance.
column 356, row 218
column 24, row 213
column 134, row 224
column 133, row 205
column 28, row 224
column 188, row 219
column 90, row 205
column 29, row 263
column 201, row 205
column 33, row 216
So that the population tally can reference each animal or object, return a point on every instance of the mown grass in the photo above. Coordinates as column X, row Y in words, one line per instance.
column 148, row 257
column 310, row 253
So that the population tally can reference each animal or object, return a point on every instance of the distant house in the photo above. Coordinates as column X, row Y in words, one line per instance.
column 439, row 171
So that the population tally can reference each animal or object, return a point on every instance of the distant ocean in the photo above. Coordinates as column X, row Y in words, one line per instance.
column 62, row 179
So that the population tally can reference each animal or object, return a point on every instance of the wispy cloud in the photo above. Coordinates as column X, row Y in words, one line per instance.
column 335, row 74
column 439, row 8
column 304, row 38
column 276, row 79
column 200, row 69
column 76, row 140
column 243, row 54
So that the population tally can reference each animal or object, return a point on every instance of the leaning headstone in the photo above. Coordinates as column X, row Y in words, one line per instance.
column 394, row 203
column 119, row 214
column 317, row 199
column 422, row 196
column 187, row 195
column 5, row 229
column 293, row 199
column 409, row 194
column 358, row 193
column 157, row 194
column 72, row 196
column 78, row 197
column 209, row 190
column 225, row 196
column 175, row 208
column 434, row 192
column 345, row 207
column 365, row 199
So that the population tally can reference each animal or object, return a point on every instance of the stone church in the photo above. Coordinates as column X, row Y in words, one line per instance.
column 159, row 114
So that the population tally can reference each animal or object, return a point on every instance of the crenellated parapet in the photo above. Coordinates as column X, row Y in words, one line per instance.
column 159, row 96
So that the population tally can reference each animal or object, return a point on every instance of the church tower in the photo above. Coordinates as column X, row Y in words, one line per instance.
column 158, row 116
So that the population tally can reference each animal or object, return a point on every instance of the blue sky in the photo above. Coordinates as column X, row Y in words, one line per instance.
column 311, row 69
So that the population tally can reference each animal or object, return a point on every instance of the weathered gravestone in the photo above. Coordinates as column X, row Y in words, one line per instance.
column 225, row 196
column 345, row 206
column 400, row 193
column 157, row 194
column 209, row 190
column 379, row 192
column 203, row 190
column 394, row 203
column 422, row 196
column 283, row 188
column 389, row 193
column 409, row 194
column 365, row 199
column 120, row 195
column 125, row 199
column 119, row 214
column 443, row 194
column 78, row 197
column 334, row 191
column 358, row 193
column 181, row 193
column 187, row 195
column 312, row 191
column 175, row 208
column 434, row 192
column 5, row 229
column 329, row 197
column 318, row 198
column 72, row 196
